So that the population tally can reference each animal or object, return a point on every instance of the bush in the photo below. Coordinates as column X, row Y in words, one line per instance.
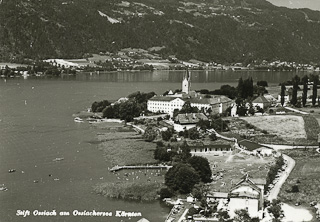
column 165, row 193
column 295, row 189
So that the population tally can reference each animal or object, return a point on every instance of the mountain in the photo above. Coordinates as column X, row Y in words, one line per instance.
column 207, row 30
column 311, row 4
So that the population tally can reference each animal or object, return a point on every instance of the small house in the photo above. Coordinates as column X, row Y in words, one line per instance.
column 261, row 102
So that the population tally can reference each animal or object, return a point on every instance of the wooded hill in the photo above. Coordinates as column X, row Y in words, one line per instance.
column 207, row 30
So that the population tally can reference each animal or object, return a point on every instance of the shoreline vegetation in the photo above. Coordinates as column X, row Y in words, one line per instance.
column 129, row 190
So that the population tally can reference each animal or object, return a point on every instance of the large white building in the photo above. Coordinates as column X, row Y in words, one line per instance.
column 167, row 104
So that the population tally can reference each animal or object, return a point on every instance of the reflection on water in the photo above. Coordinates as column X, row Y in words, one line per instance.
column 197, row 76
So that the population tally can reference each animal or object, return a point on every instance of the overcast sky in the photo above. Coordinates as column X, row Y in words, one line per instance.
column 312, row 4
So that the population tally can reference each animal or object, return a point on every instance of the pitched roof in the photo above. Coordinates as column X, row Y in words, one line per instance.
column 211, row 101
column 190, row 118
column 246, row 180
column 249, row 145
column 163, row 98
column 260, row 99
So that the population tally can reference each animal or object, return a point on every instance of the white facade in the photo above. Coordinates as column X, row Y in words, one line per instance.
column 186, row 86
column 164, row 104
column 251, row 205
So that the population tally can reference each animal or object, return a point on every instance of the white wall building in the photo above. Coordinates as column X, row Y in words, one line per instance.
column 164, row 104
column 247, row 194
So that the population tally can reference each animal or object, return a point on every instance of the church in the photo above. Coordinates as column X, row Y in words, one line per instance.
column 167, row 104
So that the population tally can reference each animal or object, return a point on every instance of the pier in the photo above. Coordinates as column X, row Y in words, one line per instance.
column 117, row 168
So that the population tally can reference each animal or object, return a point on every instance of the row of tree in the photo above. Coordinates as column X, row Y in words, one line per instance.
column 296, row 81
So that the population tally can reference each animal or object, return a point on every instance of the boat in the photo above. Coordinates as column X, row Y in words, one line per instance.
column 58, row 159
column 78, row 120
column 12, row 170
column 3, row 189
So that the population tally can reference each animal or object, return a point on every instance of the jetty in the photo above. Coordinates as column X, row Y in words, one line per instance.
column 117, row 168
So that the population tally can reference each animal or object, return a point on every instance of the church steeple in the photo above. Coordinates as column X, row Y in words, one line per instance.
column 186, row 83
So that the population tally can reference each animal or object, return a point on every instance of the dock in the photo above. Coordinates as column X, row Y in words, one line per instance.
column 117, row 168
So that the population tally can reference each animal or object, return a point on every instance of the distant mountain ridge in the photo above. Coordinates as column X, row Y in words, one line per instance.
column 208, row 30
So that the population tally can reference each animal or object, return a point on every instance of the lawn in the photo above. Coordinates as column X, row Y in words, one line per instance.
column 305, row 175
column 229, row 169
column 287, row 126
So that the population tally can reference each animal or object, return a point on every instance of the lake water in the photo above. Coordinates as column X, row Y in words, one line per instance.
column 36, row 126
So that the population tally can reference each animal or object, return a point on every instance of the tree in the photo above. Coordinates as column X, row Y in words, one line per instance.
column 223, row 216
column 240, row 88
column 165, row 193
column 166, row 135
column 149, row 134
column 315, row 80
column 185, row 152
column 108, row 112
column 275, row 208
column 262, row 83
column 193, row 133
column 295, row 87
column 242, row 216
column 182, row 178
column 99, row 106
column 161, row 153
column 187, row 108
column 128, row 110
column 202, row 167
column 305, row 90
column 283, row 93
column 213, row 136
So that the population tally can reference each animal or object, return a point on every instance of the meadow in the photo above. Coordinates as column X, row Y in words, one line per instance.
column 287, row 126
column 228, row 170
column 305, row 176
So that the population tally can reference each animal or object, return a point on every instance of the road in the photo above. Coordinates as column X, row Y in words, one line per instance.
column 276, row 189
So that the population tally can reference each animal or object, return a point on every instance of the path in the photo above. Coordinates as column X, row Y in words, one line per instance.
column 276, row 189
column 183, row 216
column 288, row 147
column 295, row 110
column 117, row 168
column 136, row 127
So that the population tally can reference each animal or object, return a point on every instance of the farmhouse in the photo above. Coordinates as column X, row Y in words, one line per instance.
column 253, row 148
column 214, row 149
column 247, row 194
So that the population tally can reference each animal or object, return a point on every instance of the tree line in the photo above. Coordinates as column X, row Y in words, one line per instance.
column 305, row 81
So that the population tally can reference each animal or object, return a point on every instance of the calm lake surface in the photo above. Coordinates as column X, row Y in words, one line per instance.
column 36, row 126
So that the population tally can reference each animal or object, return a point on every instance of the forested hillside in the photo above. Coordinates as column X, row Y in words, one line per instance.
column 207, row 30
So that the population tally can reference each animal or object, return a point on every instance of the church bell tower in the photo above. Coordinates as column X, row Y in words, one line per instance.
column 186, row 83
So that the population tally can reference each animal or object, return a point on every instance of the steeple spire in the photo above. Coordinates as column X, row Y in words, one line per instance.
column 186, row 83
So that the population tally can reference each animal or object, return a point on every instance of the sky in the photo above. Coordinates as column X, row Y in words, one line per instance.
column 311, row 4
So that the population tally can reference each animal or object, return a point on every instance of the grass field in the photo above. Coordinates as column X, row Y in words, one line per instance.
column 306, row 175
column 289, row 126
column 123, row 146
column 229, row 169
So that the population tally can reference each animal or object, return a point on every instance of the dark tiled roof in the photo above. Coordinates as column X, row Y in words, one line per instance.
column 190, row 118
column 260, row 99
column 249, row 145
column 162, row 98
